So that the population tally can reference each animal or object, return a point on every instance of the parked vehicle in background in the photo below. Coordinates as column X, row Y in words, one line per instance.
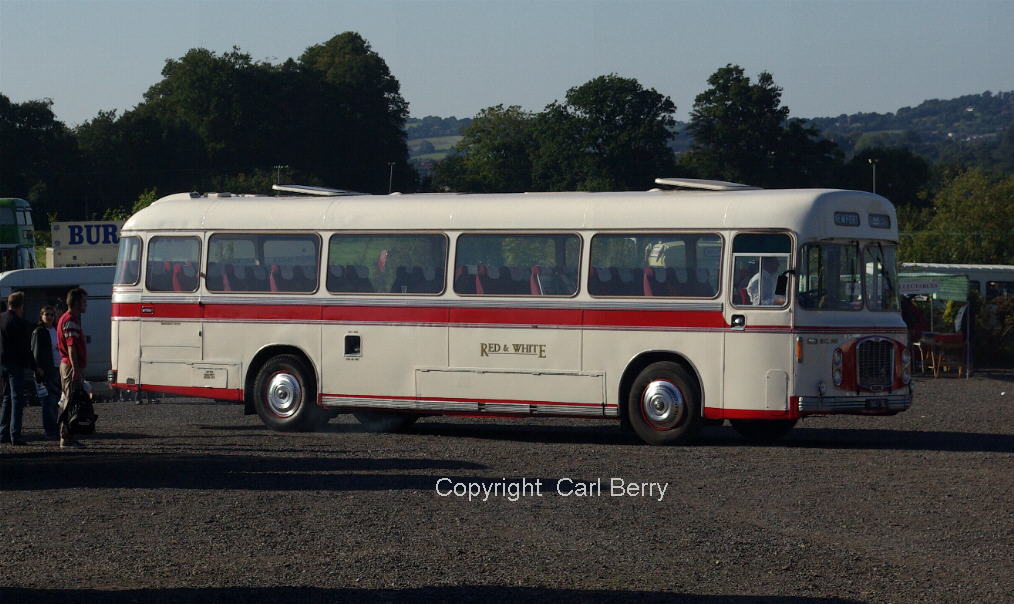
column 44, row 286
column 17, row 234
column 988, row 280
column 663, row 308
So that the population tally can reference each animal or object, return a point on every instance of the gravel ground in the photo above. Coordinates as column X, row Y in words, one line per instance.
column 189, row 500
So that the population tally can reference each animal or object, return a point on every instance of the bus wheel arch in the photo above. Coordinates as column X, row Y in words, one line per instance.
column 676, row 382
column 282, row 387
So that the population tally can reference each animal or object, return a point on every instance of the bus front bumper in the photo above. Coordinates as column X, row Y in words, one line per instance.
column 858, row 405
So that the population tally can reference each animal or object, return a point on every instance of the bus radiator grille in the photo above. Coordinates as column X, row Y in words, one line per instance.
column 875, row 361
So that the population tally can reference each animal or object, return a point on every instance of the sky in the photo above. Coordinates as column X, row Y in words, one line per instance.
column 454, row 58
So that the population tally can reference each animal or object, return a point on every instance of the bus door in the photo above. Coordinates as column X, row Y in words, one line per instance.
column 170, row 312
column 758, row 348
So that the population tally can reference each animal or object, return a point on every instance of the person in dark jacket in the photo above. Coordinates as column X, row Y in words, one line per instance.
column 47, row 357
column 15, row 358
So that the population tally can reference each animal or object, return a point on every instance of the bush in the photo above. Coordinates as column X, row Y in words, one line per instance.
column 993, row 339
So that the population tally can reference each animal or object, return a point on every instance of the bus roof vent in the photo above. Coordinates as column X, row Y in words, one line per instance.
column 705, row 185
column 308, row 190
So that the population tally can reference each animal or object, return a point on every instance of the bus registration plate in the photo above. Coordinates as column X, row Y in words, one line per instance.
column 876, row 403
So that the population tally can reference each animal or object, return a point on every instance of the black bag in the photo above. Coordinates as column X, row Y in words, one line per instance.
column 80, row 413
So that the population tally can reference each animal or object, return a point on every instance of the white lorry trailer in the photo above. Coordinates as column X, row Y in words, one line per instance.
column 50, row 286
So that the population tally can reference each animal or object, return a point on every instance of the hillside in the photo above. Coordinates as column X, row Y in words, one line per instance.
column 967, row 118
column 976, row 129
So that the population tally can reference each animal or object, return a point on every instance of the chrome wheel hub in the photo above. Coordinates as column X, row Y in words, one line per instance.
column 662, row 405
column 284, row 394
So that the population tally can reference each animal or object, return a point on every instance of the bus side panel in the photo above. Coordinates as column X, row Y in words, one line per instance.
column 227, row 341
column 169, row 348
column 512, row 365
column 755, row 363
column 127, row 351
column 612, row 351
column 385, row 363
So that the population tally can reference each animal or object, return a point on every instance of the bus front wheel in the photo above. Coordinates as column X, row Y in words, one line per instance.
column 664, row 405
column 285, row 396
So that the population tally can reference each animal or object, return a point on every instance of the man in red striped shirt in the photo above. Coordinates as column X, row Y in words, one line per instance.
column 70, row 341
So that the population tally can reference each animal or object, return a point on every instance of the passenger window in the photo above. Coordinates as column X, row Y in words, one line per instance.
column 128, row 261
column 517, row 265
column 263, row 263
column 671, row 265
column 172, row 264
column 386, row 263
column 998, row 289
column 758, row 260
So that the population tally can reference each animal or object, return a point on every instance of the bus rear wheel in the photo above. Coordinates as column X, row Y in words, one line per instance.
column 384, row 421
column 762, row 430
column 285, row 397
column 664, row 405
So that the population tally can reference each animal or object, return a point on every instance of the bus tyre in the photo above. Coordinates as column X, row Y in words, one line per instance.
column 384, row 421
column 762, row 430
column 285, row 396
column 664, row 405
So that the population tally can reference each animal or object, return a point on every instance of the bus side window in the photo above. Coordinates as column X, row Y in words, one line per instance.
column 263, row 263
column 517, row 264
column 128, row 261
column 167, row 259
column 758, row 260
column 669, row 265
column 386, row 263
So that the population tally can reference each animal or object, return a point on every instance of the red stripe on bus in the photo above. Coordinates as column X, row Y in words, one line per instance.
column 720, row 413
column 262, row 312
column 221, row 394
column 655, row 318
column 159, row 310
column 516, row 316
column 423, row 315
column 385, row 314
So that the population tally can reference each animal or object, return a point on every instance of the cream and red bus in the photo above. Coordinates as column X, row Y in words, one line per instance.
column 665, row 309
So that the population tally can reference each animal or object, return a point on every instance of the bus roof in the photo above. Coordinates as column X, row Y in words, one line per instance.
column 807, row 211
column 14, row 202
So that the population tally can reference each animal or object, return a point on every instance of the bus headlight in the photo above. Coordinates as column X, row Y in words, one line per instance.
column 836, row 366
column 906, row 366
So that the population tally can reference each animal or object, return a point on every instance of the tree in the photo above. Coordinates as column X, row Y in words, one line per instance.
column 144, row 200
column 742, row 133
column 610, row 133
column 493, row 155
column 902, row 176
column 223, row 121
column 360, row 115
column 38, row 154
column 972, row 223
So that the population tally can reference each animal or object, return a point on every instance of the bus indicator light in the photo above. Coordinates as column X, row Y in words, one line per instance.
column 836, row 366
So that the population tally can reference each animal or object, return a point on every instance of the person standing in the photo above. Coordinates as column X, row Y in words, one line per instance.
column 47, row 357
column 70, row 341
column 15, row 358
column 761, row 287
